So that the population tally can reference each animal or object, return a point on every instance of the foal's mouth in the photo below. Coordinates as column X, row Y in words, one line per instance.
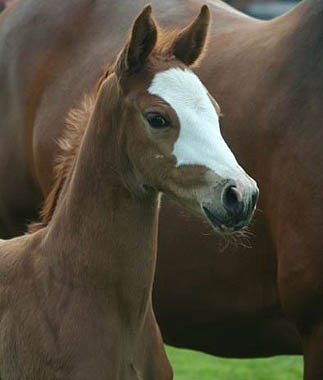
column 225, row 227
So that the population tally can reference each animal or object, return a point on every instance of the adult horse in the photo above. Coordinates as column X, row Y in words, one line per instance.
column 267, row 76
column 76, row 296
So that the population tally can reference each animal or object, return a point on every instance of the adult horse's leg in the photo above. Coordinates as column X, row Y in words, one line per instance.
column 301, row 288
column 19, row 195
column 17, row 200
column 300, row 277
column 313, row 350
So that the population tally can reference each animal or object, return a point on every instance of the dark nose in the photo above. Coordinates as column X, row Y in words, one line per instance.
column 233, row 200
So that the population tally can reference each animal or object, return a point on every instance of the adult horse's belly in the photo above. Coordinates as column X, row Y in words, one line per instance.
column 217, row 298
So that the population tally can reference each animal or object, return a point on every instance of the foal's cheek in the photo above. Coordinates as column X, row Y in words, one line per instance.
column 144, row 164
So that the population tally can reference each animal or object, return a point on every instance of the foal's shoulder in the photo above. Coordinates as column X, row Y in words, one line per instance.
column 17, row 254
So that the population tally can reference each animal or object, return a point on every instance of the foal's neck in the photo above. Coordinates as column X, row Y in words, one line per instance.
column 105, row 236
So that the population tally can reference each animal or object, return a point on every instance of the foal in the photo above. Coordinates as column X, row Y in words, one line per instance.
column 75, row 297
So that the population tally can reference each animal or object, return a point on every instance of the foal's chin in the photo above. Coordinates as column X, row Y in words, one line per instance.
column 216, row 216
column 222, row 223
column 219, row 224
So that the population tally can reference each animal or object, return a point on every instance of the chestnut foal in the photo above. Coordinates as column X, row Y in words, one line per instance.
column 75, row 296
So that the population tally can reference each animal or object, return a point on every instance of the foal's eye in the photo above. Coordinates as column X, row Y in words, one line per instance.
column 157, row 121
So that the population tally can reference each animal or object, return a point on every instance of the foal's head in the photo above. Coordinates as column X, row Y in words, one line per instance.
column 169, row 125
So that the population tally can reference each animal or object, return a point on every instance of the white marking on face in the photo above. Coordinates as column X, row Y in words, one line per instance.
column 200, row 141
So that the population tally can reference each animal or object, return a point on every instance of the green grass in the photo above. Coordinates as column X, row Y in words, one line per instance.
column 192, row 365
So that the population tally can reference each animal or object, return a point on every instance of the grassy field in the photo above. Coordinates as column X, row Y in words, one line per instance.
column 191, row 365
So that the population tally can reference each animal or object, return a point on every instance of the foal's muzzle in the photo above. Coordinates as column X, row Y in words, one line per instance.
column 235, row 206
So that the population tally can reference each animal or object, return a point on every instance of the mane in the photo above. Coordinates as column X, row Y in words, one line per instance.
column 69, row 144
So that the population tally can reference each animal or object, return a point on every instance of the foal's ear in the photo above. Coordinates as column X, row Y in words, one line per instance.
column 189, row 44
column 141, row 42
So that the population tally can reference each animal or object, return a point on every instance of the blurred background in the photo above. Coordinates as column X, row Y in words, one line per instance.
column 263, row 9
column 192, row 365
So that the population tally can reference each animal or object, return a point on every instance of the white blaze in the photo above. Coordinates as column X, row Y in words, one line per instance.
column 200, row 141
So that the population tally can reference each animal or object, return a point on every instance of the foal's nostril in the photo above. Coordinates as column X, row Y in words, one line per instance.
column 232, row 199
